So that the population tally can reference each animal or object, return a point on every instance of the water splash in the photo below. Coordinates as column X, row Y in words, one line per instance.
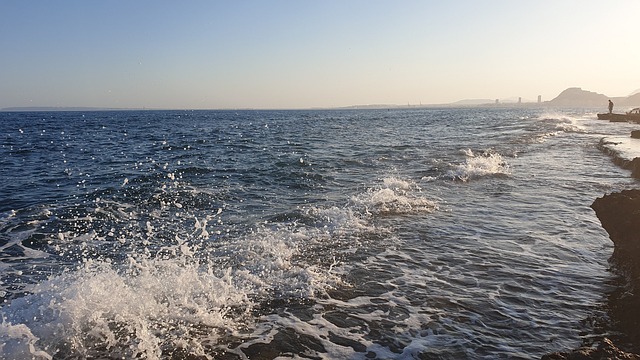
column 394, row 196
column 479, row 165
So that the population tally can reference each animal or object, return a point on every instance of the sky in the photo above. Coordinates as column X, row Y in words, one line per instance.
column 205, row 54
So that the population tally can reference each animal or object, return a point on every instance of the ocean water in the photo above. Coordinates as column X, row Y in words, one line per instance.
column 355, row 234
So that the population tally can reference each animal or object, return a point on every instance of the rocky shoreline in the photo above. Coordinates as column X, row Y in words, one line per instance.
column 619, row 214
column 632, row 165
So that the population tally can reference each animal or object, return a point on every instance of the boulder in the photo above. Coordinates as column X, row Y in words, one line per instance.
column 619, row 214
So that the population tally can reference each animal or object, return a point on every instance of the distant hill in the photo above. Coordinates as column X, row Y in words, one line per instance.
column 633, row 100
column 467, row 102
column 575, row 96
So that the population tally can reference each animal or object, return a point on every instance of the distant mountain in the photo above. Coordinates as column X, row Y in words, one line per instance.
column 633, row 100
column 575, row 96
column 467, row 102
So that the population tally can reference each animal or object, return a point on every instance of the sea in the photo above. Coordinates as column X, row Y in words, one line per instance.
column 439, row 233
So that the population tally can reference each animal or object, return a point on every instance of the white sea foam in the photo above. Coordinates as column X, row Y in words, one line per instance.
column 564, row 122
column 186, row 296
column 394, row 196
column 132, row 312
column 17, row 342
column 180, row 297
column 479, row 165
column 337, row 220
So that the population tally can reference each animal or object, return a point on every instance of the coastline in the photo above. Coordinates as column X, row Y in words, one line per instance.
column 619, row 214
column 624, row 152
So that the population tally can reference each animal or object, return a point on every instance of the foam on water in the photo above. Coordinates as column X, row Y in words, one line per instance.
column 186, row 285
column 191, row 293
column 174, row 300
column 553, row 124
column 479, row 165
column 394, row 196
column 570, row 124
column 101, row 310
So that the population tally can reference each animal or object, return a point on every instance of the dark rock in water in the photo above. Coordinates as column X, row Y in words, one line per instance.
column 635, row 134
column 606, row 350
column 619, row 214
column 635, row 168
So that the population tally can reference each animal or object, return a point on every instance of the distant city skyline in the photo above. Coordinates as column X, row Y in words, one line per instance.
column 287, row 54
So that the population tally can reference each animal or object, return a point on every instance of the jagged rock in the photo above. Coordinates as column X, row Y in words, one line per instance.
column 619, row 214
column 618, row 159
column 606, row 350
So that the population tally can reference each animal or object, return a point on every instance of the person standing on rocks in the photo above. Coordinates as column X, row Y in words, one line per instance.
column 610, row 106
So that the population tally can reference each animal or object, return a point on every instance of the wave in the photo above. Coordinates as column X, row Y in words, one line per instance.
column 101, row 310
column 394, row 196
column 183, row 298
column 181, row 285
column 564, row 122
column 479, row 165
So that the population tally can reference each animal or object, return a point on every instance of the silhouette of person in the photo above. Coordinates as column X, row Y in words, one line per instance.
column 610, row 106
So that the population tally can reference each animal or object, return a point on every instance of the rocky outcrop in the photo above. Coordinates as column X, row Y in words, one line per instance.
column 635, row 134
column 633, row 165
column 619, row 214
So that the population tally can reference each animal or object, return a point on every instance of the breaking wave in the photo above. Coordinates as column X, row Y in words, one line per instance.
column 479, row 165
column 394, row 196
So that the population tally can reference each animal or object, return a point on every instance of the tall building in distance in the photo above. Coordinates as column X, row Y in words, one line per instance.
column 539, row 99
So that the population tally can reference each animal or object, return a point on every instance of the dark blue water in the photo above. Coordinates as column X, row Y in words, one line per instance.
column 435, row 233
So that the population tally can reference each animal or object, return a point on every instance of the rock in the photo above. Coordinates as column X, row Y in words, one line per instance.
column 606, row 350
column 619, row 214
column 635, row 134
column 635, row 168
column 618, row 159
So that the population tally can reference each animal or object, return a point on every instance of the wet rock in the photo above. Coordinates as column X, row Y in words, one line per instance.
column 618, row 158
column 635, row 134
column 619, row 214
column 635, row 168
column 606, row 350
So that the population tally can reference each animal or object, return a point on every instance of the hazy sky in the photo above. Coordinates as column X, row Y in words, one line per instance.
column 297, row 54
